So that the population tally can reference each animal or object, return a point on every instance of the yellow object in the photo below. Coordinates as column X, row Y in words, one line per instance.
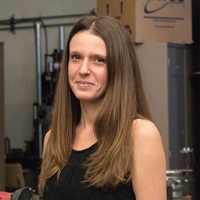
column 14, row 176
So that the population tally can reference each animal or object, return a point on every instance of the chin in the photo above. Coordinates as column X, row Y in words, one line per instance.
column 90, row 99
column 86, row 99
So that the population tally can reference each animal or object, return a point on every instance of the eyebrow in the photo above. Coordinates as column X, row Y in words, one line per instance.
column 93, row 55
column 73, row 52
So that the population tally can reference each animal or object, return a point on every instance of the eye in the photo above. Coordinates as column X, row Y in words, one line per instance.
column 75, row 57
column 99, row 60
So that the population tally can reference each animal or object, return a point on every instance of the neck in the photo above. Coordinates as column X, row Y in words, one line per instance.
column 84, row 135
column 89, row 112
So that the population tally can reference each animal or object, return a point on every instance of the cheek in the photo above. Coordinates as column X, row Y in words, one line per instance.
column 71, row 72
column 70, row 76
column 105, row 78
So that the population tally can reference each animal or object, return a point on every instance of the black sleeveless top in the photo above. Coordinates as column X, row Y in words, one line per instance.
column 70, row 185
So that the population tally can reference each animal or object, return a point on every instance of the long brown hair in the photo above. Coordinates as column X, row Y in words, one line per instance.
column 123, row 102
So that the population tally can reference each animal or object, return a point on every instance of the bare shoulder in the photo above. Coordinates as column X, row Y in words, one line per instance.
column 46, row 138
column 47, row 135
column 146, row 138
column 143, row 128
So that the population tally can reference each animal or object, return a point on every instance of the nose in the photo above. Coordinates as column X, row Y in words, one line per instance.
column 84, row 67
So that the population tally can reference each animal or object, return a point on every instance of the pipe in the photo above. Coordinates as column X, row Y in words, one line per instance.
column 62, row 38
column 12, row 22
column 39, row 83
column 47, row 26
column 39, row 63
column 33, row 19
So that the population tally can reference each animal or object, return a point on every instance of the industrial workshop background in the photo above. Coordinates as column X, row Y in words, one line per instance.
column 32, row 39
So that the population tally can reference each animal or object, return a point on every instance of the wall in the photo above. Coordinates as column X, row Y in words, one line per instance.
column 154, row 67
column 20, row 59
column 2, row 126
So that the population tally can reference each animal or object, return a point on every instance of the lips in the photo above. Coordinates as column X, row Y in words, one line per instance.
column 84, row 83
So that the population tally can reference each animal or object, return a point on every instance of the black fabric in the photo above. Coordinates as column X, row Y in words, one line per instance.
column 70, row 185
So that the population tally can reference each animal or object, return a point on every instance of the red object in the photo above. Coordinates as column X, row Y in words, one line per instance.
column 5, row 195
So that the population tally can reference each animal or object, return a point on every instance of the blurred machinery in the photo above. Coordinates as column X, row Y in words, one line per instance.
column 46, row 85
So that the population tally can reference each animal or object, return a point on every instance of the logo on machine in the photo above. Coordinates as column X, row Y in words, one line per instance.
column 153, row 6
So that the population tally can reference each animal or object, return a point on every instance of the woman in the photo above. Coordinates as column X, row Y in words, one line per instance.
column 102, row 143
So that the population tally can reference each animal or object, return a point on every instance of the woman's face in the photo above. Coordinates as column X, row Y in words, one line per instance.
column 87, row 68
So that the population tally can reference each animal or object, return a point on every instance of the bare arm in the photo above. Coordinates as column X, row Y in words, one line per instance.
column 149, row 165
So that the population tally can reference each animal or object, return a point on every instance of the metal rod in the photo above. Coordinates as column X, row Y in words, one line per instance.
column 39, row 84
column 12, row 22
column 185, row 98
column 39, row 62
column 40, row 140
column 33, row 19
column 62, row 38
column 31, row 27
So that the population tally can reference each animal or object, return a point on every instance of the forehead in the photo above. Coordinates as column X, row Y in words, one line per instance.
column 86, row 40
